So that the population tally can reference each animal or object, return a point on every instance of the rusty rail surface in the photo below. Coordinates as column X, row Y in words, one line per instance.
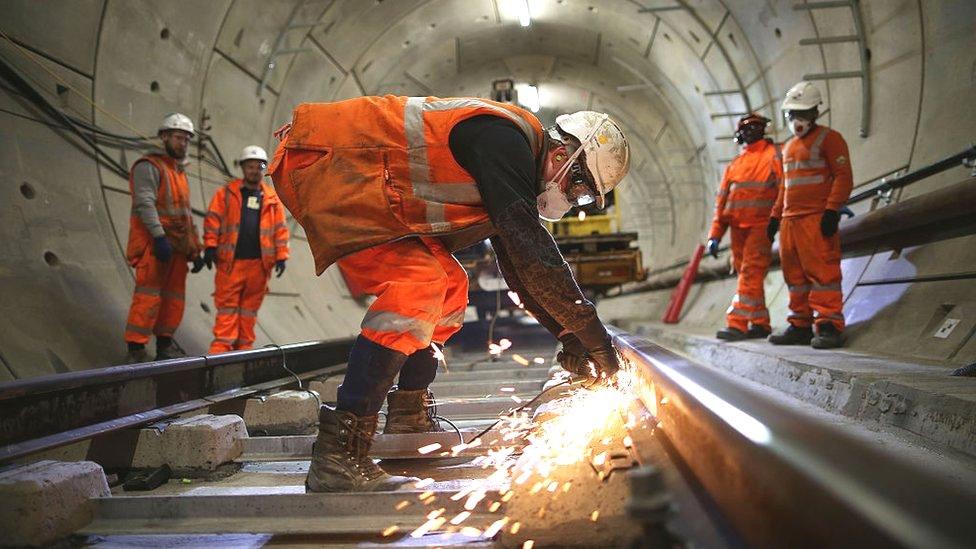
column 47, row 412
column 784, row 478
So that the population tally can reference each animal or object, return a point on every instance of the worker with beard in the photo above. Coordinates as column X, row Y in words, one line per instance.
column 162, row 240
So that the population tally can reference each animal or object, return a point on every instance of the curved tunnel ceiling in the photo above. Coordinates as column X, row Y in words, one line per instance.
column 674, row 77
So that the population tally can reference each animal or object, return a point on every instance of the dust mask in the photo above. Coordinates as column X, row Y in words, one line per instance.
column 553, row 202
column 799, row 127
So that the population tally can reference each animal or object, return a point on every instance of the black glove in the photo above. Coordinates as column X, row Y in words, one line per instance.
column 197, row 263
column 279, row 268
column 772, row 228
column 828, row 223
column 210, row 257
column 572, row 357
column 162, row 249
column 846, row 212
column 712, row 247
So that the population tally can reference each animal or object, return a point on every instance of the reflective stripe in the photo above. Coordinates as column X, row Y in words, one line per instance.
column 172, row 295
column 227, row 311
column 448, row 104
column 450, row 193
column 835, row 287
column 453, row 319
column 268, row 251
column 174, row 212
column 807, row 180
column 746, row 300
column 248, row 313
column 214, row 215
column 798, row 316
column 753, row 184
column 145, row 290
column 747, row 314
column 832, row 316
column 138, row 329
column 815, row 149
column 165, row 330
column 737, row 204
column 413, row 124
column 803, row 288
column 388, row 321
column 225, row 340
column 805, row 164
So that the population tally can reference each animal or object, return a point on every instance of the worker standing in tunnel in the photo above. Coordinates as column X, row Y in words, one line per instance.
column 818, row 181
column 246, row 237
column 388, row 187
column 743, row 204
column 162, row 240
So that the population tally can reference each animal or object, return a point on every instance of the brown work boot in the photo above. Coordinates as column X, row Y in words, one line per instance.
column 410, row 412
column 340, row 456
column 136, row 355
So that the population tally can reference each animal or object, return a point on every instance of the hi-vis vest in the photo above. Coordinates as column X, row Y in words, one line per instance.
column 222, row 225
column 173, row 206
column 370, row 170
column 818, row 174
column 749, row 188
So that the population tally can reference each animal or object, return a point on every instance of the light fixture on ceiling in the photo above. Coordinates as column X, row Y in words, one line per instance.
column 528, row 96
column 522, row 12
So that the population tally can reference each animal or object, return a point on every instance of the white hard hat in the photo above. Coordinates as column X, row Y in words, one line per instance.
column 604, row 145
column 253, row 152
column 801, row 97
column 177, row 121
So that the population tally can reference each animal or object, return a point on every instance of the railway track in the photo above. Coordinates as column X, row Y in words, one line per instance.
column 683, row 456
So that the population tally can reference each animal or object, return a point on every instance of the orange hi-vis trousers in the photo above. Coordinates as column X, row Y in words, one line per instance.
column 751, row 253
column 157, row 303
column 811, row 267
column 421, row 292
column 238, row 293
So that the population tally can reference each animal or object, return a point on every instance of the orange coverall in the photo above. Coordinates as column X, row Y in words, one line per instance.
column 818, row 177
column 743, row 203
column 158, row 300
column 240, row 284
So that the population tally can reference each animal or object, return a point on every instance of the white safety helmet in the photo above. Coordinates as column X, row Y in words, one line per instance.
column 177, row 121
column 801, row 97
column 253, row 152
column 605, row 147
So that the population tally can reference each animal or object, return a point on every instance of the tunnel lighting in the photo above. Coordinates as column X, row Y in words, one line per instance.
column 528, row 96
column 525, row 19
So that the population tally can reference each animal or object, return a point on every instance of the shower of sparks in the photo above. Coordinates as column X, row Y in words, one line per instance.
column 515, row 298
column 578, row 430
column 539, row 360
column 390, row 530
column 521, row 360
column 582, row 215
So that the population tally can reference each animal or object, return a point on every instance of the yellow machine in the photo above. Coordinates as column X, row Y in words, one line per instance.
column 601, row 257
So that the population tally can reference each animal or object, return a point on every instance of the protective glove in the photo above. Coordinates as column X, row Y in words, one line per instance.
column 712, row 247
column 772, row 228
column 846, row 212
column 162, row 249
column 572, row 357
column 828, row 223
column 197, row 263
column 210, row 257
column 279, row 268
column 605, row 360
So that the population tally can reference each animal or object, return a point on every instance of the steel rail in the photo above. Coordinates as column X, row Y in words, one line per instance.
column 47, row 412
column 787, row 479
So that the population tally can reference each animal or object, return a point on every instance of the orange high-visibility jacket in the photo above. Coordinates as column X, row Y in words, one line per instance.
column 173, row 205
column 818, row 174
column 371, row 170
column 749, row 188
column 223, row 223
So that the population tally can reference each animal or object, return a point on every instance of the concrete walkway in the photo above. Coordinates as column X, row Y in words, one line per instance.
column 913, row 399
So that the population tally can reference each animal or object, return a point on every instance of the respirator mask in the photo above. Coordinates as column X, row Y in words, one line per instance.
column 553, row 201
column 798, row 123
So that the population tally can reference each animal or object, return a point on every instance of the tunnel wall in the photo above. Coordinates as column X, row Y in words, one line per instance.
column 66, row 286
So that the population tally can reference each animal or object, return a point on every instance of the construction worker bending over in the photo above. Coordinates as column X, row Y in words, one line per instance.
column 246, row 237
column 743, row 203
column 818, row 181
column 388, row 187
column 162, row 239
